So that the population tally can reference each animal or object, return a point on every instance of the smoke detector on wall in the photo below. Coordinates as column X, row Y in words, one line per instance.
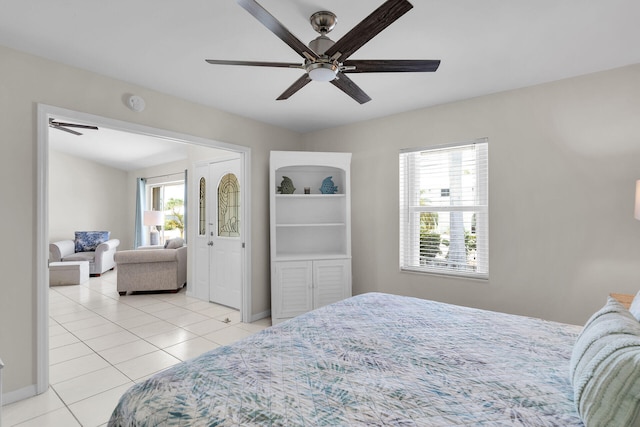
column 136, row 103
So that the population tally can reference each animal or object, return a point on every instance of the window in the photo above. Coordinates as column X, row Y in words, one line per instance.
column 444, row 212
column 168, row 197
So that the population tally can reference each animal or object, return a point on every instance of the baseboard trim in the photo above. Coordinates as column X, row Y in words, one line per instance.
column 20, row 394
column 259, row 316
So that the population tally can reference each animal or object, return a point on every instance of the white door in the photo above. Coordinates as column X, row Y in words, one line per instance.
column 225, row 233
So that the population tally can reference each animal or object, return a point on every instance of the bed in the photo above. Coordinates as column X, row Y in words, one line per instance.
column 374, row 360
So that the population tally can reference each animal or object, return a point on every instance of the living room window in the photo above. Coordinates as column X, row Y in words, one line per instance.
column 444, row 212
column 168, row 197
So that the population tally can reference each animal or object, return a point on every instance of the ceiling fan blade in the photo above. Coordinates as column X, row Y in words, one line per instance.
column 255, row 63
column 65, row 129
column 72, row 125
column 392, row 66
column 296, row 86
column 261, row 14
column 368, row 28
column 347, row 85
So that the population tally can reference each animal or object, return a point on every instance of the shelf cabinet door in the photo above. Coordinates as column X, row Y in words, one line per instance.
column 331, row 281
column 292, row 289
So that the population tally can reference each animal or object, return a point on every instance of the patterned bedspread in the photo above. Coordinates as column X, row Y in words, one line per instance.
column 372, row 360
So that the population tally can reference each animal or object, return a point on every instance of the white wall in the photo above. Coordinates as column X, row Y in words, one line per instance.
column 25, row 81
column 85, row 195
column 563, row 160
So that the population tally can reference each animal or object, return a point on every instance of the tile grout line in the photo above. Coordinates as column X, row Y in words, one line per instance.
column 128, row 330
column 95, row 300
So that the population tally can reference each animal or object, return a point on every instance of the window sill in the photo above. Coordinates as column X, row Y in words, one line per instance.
column 449, row 275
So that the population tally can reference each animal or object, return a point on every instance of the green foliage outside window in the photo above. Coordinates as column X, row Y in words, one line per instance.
column 429, row 238
column 174, row 219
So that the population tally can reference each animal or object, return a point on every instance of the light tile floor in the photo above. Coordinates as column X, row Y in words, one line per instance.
column 101, row 343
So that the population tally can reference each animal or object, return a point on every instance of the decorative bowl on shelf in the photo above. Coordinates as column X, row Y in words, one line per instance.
column 328, row 187
column 286, row 187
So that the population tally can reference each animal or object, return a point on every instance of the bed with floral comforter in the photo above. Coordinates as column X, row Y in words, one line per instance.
column 372, row 360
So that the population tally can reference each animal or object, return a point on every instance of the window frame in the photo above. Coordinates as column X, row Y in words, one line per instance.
column 410, row 251
column 156, row 198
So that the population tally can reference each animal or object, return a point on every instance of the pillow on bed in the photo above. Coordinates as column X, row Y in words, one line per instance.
column 605, row 368
column 601, row 329
column 635, row 306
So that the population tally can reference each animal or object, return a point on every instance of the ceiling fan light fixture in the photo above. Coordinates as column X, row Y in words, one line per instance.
column 322, row 71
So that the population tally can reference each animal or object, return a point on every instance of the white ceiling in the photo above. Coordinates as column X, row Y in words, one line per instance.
column 116, row 148
column 486, row 46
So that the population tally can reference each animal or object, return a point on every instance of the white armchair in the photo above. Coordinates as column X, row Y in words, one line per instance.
column 100, row 260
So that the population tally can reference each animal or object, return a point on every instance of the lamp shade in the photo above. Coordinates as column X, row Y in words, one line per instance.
column 152, row 218
column 637, row 205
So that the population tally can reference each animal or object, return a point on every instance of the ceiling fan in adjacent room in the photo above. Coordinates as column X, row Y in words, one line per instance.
column 326, row 60
column 53, row 123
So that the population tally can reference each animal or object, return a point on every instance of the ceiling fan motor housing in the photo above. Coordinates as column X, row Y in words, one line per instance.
column 320, row 44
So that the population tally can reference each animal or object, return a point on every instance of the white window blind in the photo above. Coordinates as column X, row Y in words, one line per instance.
column 444, row 209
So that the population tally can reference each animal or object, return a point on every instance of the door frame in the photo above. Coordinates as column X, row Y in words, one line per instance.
column 44, row 112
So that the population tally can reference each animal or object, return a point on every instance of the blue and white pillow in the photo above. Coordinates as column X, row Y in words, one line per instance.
column 88, row 241
column 605, row 368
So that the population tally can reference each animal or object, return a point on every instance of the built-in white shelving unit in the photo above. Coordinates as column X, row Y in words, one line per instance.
column 310, row 233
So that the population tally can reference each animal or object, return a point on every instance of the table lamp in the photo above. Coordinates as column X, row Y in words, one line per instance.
column 153, row 219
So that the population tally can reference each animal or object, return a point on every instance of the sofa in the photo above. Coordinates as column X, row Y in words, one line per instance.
column 152, row 269
column 96, row 247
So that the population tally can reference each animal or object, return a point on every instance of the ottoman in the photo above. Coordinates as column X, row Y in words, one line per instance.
column 68, row 273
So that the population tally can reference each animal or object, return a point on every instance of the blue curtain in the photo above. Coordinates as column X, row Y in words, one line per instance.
column 184, row 205
column 138, row 239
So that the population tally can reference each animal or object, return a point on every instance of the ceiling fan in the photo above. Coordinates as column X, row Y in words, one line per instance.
column 53, row 123
column 326, row 60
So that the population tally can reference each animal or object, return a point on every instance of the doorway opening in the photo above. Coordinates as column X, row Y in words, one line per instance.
column 46, row 112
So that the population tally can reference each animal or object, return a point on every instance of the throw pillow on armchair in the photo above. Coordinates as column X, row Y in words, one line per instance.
column 88, row 241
